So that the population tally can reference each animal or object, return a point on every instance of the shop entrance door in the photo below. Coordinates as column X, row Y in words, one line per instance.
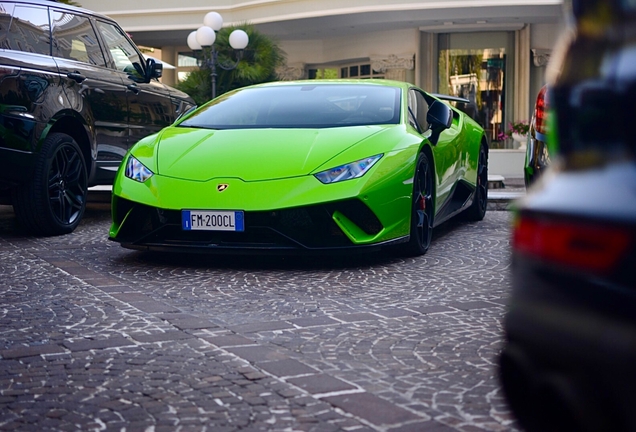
column 478, row 67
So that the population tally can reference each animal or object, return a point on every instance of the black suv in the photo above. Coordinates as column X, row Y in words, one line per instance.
column 75, row 94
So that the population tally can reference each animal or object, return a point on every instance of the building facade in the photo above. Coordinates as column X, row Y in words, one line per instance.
column 492, row 52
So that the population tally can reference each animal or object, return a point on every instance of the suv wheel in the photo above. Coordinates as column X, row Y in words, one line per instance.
column 53, row 201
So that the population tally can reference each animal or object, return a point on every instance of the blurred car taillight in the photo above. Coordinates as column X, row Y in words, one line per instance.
column 541, row 112
column 582, row 245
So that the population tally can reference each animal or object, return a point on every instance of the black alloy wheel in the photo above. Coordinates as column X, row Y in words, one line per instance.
column 477, row 209
column 53, row 202
column 422, row 209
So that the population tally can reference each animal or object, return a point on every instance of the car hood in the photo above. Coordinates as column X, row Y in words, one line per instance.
column 252, row 154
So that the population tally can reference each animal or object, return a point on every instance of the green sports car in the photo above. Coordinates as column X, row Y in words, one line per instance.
column 339, row 165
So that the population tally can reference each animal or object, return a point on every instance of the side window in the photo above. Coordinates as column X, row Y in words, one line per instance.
column 418, row 108
column 6, row 11
column 75, row 39
column 29, row 29
column 124, row 54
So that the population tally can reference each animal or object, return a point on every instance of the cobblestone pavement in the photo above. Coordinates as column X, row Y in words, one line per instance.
column 97, row 337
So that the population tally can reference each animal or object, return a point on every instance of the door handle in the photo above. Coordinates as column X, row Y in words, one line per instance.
column 76, row 76
column 133, row 88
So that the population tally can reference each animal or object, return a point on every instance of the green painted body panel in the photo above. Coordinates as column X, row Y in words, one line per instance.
column 272, row 169
column 297, row 152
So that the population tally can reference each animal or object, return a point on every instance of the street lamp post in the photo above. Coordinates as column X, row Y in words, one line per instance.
column 203, row 39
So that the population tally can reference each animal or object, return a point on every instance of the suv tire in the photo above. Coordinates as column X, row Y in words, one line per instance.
column 54, row 200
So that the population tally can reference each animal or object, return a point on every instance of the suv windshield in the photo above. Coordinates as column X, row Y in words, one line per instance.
column 301, row 106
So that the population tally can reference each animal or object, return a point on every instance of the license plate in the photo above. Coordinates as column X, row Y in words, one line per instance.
column 209, row 220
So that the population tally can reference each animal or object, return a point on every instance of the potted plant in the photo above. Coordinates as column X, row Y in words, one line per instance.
column 518, row 131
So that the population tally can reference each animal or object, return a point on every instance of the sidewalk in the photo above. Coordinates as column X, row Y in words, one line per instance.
column 502, row 192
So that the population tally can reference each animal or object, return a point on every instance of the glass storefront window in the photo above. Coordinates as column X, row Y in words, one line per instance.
column 327, row 73
column 349, row 71
column 479, row 67
column 187, row 60
column 479, row 76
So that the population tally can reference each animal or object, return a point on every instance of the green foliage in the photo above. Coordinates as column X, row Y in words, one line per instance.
column 70, row 2
column 260, row 60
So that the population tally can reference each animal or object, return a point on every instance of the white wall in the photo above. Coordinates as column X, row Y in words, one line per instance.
column 545, row 35
column 542, row 36
column 360, row 46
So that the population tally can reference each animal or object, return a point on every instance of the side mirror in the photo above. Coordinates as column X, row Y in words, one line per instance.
column 154, row 69
column 440, row 117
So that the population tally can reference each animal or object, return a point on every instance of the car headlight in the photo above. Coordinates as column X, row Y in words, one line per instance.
column 136, row 170
column 349, row 171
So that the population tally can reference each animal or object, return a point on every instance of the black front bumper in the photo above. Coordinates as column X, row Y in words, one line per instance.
column 309, row 229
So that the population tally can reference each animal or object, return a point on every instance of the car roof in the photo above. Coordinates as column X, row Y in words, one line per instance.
column 59, row 5
column 378, row 82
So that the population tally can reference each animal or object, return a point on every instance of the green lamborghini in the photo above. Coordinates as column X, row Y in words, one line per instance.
column 346, row 165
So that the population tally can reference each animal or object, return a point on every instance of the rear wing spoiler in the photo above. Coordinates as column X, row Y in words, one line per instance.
column 450, row 98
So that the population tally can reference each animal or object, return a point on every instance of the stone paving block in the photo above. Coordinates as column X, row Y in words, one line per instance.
column 466, row 306
column 354, row 317
column 320, row 384
column 170, row 335
column 262, row 326
column 228, row 340
column 394, row 313
column 81, row 272
column 91, row 344
column 153, row 306
column 257, row 354
column 372, row 408
column 502, row 301
column 191, row 323
column 103, row 282
column 433, row 309
column 313, row 321
column 173, row 316
column 287, row 368
column 115, row 288
column 29, row 351
column 131, row 296
column 427, row 426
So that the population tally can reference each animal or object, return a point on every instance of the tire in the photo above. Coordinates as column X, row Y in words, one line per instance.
column 477, row 209
column 422, row 209
column 53, row 202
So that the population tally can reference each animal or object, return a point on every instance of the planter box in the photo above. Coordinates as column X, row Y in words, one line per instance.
column 506, row 163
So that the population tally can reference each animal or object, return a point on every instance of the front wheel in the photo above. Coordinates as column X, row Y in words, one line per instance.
column 54, row 200
column 422, row 210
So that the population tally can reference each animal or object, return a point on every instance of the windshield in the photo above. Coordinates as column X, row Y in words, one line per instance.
column 301, row 106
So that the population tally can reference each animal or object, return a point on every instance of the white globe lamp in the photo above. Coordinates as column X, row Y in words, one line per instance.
column 239, row 39
column 203, row 39
column 192, row 41
column 214, row 20
column 205, row 36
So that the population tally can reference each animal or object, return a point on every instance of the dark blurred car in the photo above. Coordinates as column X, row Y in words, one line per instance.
column 569, row 361
column 75, row 94
column 537, row 154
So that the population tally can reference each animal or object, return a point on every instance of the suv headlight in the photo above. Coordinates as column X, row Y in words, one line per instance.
column 349, row 171
column 136, row 170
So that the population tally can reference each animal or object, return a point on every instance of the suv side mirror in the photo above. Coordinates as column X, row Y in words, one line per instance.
column 440, row 117
column 154, row 69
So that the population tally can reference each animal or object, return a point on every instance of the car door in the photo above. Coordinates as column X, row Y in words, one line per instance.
column 92, row 88
column 150, row 106
column 445, row 151
column 28, row 84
